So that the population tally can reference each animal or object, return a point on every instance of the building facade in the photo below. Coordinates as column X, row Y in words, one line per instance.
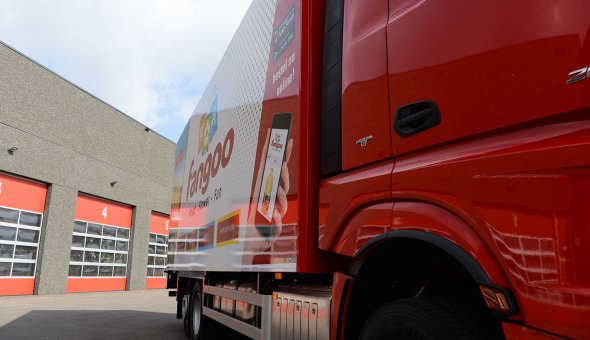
column 84, row 189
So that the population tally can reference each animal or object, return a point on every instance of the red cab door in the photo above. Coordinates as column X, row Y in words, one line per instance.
column 366, row 136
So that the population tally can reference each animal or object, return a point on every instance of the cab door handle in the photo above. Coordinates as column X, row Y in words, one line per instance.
column 416, row 117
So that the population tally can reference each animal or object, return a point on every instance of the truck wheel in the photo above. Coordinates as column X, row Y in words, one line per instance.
column 428, row 318
column 185, row 304
column 195, row 314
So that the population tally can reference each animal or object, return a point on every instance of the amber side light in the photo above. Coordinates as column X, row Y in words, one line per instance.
column 495, row 299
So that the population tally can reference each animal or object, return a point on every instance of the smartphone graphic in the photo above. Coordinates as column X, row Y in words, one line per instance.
column 275, row 156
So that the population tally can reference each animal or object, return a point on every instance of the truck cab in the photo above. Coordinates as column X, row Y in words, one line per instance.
column 380, row 168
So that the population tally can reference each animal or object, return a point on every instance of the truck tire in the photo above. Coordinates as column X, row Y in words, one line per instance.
column 428, row 318
column 185, row 307
column 195, row 314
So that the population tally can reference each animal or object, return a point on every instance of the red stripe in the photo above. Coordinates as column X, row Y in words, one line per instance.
column 22, row 194
column 92, row 209
column 79, row 285
column 16, row 286
column 155, row 282
column 159, row 223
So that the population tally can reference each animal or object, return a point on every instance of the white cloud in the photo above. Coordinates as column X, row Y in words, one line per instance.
column 149, row 58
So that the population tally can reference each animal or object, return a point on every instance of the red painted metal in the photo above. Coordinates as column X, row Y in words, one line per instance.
column 365, row 102
column 16, row 286
column 342, row 196
column 98, row 210
column 311, row 259
column 367, row 224
column 483, row 66
column 19, row 193
column 438, row 221
column 514, row 201
column 378, row 219
column 505, row 175
column 524, row 193
column 340, row 294
column 155, row 283
column 520, row 332
column 100, row 284
column 159, row 223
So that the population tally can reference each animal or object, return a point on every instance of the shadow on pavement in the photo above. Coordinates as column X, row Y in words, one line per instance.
column 108, row 324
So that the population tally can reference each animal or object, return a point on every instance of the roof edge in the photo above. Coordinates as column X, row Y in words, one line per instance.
column 86, row 92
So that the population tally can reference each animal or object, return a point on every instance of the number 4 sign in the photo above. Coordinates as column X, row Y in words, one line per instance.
column 104, row 212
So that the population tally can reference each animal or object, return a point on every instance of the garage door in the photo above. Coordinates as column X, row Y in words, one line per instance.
column 22, row 203
column 100, row 245
column 156, row 277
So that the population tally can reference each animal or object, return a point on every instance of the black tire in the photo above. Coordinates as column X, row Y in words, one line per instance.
column 428, row 318
column 185, row 307
column 195, row 315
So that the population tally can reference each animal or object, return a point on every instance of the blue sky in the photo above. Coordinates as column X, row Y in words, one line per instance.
column 151, row 59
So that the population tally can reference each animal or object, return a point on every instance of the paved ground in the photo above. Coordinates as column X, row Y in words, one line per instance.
column 145, row 314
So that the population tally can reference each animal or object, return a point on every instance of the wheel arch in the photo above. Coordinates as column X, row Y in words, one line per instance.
column 467, row 261
column 383, row 222
column 418, row 231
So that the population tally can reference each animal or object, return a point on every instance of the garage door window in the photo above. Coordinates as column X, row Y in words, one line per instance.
column 157, row 255
column 98, row 250
column 19, row 242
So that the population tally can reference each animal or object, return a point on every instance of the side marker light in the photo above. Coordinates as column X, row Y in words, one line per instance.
column 495, row 299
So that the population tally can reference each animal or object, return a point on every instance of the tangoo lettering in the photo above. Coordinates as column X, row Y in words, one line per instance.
column 199, row 177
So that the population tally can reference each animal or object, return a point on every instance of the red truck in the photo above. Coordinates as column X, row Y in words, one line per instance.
column 384, row 169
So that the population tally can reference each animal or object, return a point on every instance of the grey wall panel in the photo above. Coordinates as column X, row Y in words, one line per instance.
column 50, row 163
column 78, row 144
column 56, row 240
column 138, row 254
column 39, row 102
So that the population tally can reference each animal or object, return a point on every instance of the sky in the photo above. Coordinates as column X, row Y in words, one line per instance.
column 150, row 59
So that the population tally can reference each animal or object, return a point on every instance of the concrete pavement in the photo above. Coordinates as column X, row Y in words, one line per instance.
column 146, row 314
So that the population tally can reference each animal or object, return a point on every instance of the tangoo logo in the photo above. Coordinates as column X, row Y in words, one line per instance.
column 208, row 127
column 199, row 176
column 276, row 142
